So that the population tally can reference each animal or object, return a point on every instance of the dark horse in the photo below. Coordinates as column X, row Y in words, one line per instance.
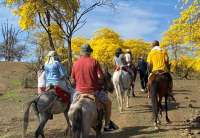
column 159, row 85
column 132, row 70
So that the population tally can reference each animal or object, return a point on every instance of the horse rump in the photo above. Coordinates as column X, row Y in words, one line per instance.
column 76, row 127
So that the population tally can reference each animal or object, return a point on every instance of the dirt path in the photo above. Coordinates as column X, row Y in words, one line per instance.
column 134, row 122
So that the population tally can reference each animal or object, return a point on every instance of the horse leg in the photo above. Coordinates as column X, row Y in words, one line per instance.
column 154, row 101
column 68, row 123
column 117, row 94
column 166, row 108
column 160, row 109
column 43, row 120
column 127, row 98
column 132, row 88
column 121, row 99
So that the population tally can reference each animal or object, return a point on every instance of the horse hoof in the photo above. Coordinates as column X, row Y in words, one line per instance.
column 168, row 121
column 156, row 128
column 159, row 122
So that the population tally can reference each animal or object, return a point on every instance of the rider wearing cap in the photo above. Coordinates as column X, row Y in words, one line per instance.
column 86, row 74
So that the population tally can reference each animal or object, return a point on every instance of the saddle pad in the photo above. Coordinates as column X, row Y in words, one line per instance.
column 65, row 96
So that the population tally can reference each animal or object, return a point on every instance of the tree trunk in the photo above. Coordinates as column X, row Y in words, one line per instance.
column 51, row 44
column 69, row 55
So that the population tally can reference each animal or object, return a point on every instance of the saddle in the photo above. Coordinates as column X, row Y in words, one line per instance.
column 91, row 97
column 60, row 93
column 159, row 75
column 155, row 74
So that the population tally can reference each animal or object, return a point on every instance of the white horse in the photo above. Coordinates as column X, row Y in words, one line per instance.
column 83, row 116
column 122, row 84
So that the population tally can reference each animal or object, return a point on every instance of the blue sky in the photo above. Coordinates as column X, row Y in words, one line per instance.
column 145, row 19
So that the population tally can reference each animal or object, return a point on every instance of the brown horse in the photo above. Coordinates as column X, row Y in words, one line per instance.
column 159, row 86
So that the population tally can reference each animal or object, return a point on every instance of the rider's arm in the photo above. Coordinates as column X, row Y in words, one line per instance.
column 167, row 61
column 73, row 76
column 99, row 71
column 149, row 63
column 63, row 72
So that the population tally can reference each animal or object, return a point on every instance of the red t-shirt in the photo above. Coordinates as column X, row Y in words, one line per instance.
column 85, row 73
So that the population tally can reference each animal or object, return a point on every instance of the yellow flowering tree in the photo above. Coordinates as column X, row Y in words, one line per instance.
column 77, row 42
column 138, row 47
column 67, row 14
column 104, row 43
column 183, row 36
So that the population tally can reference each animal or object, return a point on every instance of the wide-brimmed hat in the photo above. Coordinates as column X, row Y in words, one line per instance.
column 86, row 49
column 128, row 50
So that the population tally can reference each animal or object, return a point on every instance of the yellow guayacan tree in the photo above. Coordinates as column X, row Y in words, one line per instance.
column 138, row 47
column 77, row 42
column 29, row 10
column 104, row 43
column 183, row 35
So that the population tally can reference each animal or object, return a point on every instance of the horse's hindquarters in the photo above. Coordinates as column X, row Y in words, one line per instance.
column 59, row 107
column 84, row 113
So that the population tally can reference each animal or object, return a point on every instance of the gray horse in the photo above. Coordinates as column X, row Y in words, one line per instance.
column 83, row 113
column 44, row 106
column 122, row 84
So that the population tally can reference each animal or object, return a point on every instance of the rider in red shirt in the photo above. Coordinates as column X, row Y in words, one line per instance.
column 86, row 74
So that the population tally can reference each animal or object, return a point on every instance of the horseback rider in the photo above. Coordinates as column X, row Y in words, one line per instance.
column 55, row 73
column 41, row 80
column 87, row 76
column 119, row 59
column 158, row 62
column 128, row 57
column 124, row 62
column 142, row 67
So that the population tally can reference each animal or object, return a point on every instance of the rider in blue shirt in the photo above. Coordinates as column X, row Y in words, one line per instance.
column 55, row 72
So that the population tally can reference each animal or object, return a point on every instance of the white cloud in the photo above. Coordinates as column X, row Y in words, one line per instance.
column 129, row 21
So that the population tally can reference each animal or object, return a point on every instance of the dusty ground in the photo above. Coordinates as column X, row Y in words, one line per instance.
column 134, row 122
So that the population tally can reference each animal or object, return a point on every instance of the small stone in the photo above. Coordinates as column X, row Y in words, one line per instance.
column 190, row 105
column 193, row 101
column 186, row 97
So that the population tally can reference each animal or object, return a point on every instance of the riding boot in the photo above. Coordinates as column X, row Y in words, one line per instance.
column 110, row 127
column 50, row 116
column 133, row 94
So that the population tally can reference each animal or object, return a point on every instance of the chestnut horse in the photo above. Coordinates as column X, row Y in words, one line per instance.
column 159, row 86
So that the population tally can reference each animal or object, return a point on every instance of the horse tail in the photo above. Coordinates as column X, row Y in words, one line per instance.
column 77, row 123
column 26, row 117
column 154, row 99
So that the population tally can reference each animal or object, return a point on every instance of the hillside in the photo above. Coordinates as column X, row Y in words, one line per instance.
column 11, row 74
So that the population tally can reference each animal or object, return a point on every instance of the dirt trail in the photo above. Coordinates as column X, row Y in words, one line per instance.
column 134, row 122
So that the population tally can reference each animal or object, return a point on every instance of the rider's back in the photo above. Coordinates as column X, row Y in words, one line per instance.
column 85, row 72
column 157, row 58
column 54, row 72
